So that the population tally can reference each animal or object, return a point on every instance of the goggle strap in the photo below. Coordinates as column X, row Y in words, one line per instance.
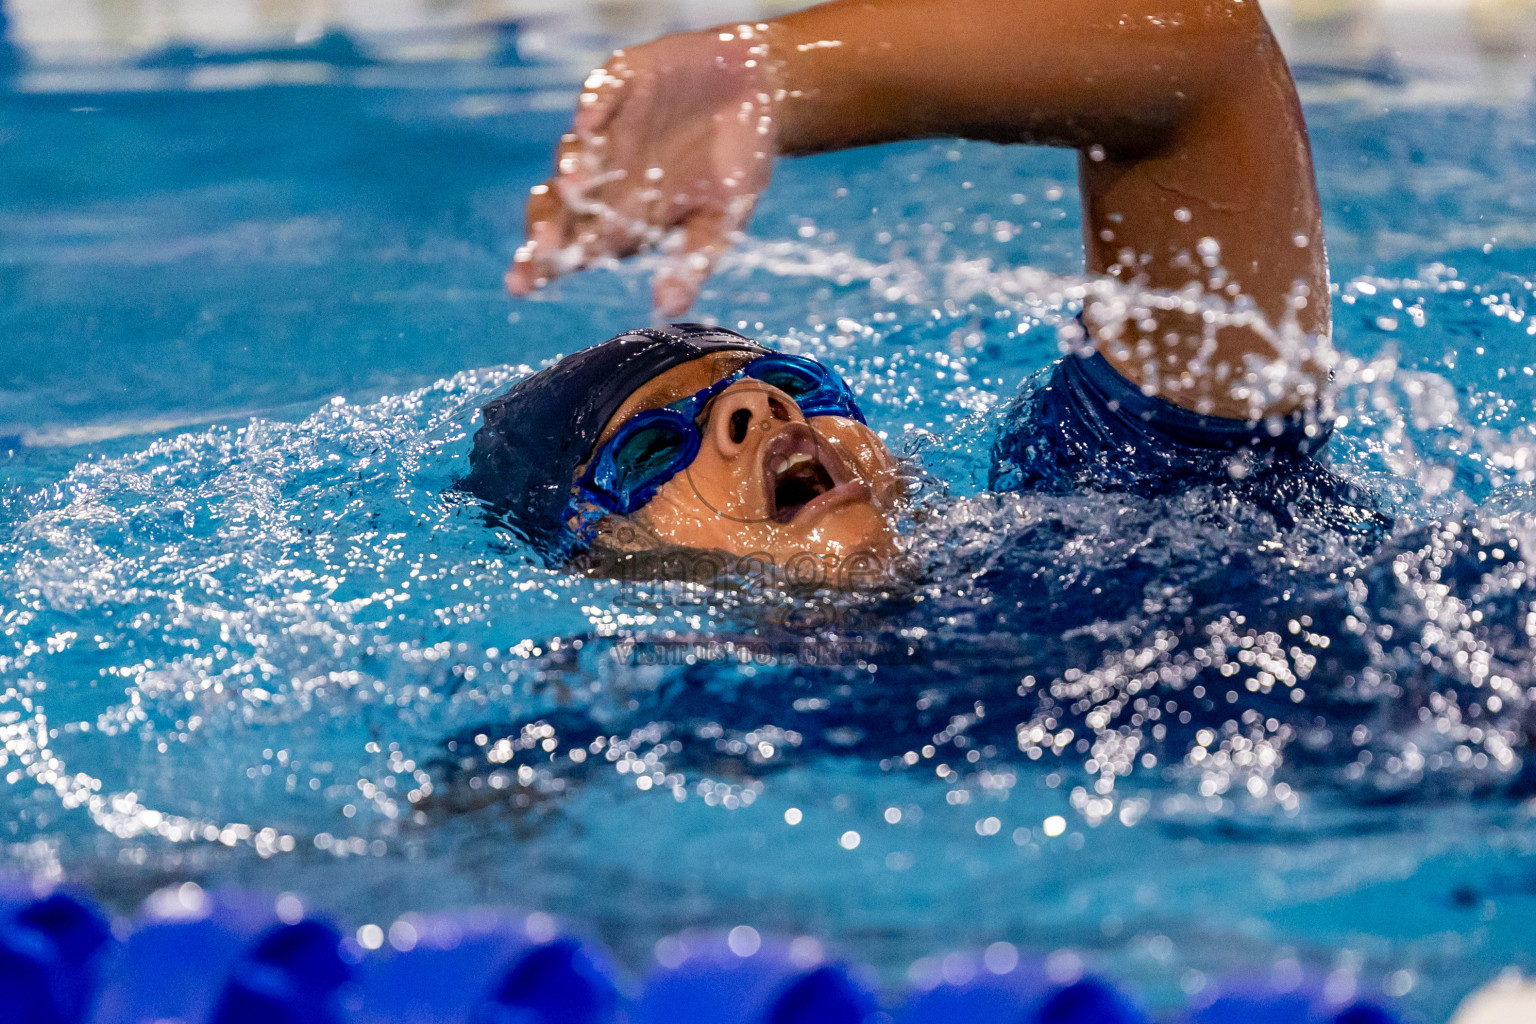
column 581, row 536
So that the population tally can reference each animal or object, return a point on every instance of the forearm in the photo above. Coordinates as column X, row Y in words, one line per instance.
column 1115, row 73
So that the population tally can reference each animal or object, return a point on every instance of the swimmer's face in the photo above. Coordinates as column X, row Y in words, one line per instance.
column 766, row 480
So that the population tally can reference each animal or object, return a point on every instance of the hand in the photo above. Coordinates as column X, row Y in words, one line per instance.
column 671, row 145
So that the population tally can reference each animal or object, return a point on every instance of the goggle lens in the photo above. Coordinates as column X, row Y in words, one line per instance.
column 795, row 381
column 646, row 454
column 817, row 389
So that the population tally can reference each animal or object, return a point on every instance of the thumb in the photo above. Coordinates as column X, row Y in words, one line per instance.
column 706, row 235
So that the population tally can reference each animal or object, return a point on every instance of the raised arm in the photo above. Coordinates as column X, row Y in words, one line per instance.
column 1193, row 156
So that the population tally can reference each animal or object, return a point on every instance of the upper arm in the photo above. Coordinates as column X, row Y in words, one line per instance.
column 1192, row 144
column 1227, row 201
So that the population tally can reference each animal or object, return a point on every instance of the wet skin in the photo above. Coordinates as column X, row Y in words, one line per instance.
column 1195, row 167
column 766, row 481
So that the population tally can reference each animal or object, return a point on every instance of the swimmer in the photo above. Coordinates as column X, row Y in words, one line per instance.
column 1197, row 186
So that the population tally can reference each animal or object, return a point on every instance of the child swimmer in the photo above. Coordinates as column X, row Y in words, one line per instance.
column 1190, row 141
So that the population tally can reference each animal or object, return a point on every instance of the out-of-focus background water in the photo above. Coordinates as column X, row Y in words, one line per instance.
column 250, row 260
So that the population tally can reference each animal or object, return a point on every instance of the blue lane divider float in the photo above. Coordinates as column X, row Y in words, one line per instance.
column 1023, row 995
column 485, row 969
column 1302, row 1004
column 744, row 980
column 50, row 953
column 234, row 958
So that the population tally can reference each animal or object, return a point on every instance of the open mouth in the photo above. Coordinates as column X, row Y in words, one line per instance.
column 796, row 473
column 799, row 479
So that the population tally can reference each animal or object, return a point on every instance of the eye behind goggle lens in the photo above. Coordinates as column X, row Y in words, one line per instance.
column 795, row 385
column 799, row 380
column 647, row 453
column 814, row 387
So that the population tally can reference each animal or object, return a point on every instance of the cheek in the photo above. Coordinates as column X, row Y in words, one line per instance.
column 869, row 456
column 694, row 506
column 712, row 486
column 672, row 507
column 856, row 530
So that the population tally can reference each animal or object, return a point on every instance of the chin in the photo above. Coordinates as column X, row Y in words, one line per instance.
column 842, row 534
column 849, row 530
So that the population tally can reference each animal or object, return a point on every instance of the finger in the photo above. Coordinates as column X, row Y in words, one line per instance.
column 605, row 214
column 601, row 95
column 585, row 189
column 546, row 224
column 706, row 236
column 567, row 232
column 578, row 159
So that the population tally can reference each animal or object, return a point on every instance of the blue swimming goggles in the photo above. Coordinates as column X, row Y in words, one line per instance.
column 654, row 446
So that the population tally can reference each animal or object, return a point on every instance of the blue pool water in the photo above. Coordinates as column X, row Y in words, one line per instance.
column 249, row 635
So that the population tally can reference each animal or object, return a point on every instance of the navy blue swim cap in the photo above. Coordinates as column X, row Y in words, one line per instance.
column 534, row 437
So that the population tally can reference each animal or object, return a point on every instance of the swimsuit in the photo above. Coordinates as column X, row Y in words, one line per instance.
column 1088, row 428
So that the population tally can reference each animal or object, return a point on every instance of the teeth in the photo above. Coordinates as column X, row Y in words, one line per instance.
column 784, row 465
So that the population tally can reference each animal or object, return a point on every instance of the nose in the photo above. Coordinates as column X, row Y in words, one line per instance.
column 747, row 409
